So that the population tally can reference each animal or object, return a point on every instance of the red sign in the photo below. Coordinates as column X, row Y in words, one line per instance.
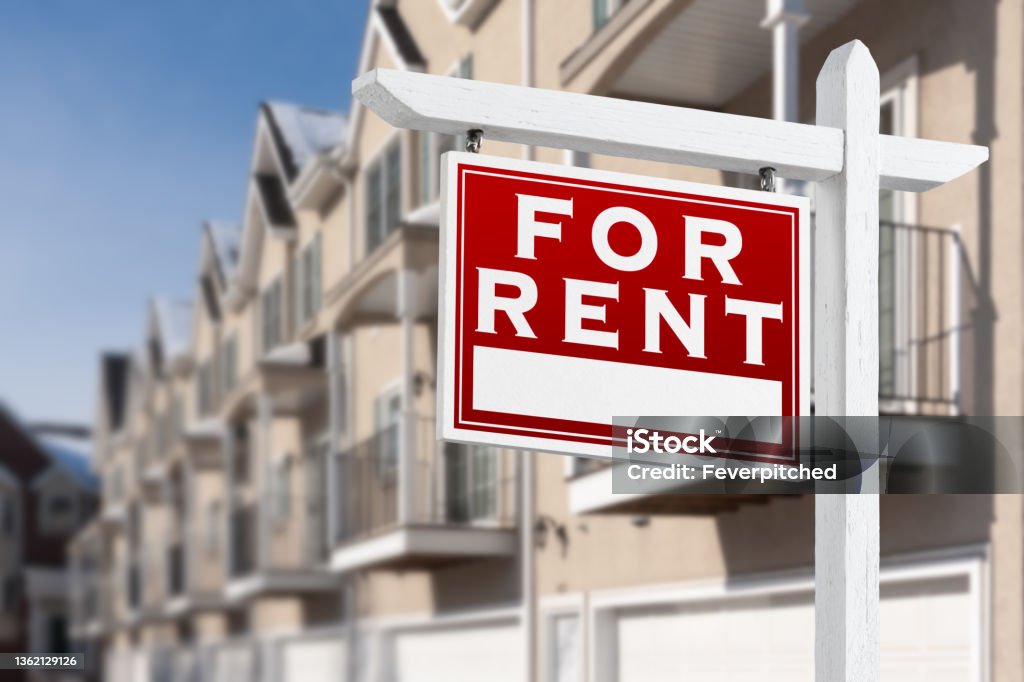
column 571, row 295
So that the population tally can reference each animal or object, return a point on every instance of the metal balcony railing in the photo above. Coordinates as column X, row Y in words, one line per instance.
column 367, row 485
column 927, row 300
column 451, row 484
column 243, row 537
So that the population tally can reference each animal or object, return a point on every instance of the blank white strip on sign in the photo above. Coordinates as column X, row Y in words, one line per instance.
column 581, row 389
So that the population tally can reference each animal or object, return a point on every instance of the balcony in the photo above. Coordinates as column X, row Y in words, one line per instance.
column 254, row 567
column 928, row 309
column 659, row 51
column 88, row 597
column 407, row 501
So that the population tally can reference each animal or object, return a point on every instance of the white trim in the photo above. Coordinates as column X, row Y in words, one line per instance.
column 452, row 541
column 469, row 13
column 551, row 607
column 646, row 131
column 557, row 175
column 970, row 561
column 899, row 88
column 287, row 580
column 389, row 41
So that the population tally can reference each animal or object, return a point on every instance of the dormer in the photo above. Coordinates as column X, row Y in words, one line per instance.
column 218, row 266
column 168, row 336
column 288, row 138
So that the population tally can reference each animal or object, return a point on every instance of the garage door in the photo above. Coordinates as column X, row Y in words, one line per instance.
column 926, row 635
column 313, row 660
column 233, row 662
column 491, row 653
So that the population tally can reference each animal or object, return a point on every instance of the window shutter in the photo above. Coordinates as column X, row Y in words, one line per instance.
column 374, row 213
column 318, row 273
column 393, row 169
column 296, row 298
column 278, row 316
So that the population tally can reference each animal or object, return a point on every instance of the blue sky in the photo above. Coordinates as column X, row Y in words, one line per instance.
column 123, row 125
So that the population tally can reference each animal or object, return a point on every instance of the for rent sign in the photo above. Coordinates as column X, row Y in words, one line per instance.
column 572, row 295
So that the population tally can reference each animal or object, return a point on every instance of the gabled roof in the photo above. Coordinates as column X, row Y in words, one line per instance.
column 114, row 369
column 288, row 137
column 301, row 132
column 398, row 35
column 384, row 24
column 40, row 450
column 225, row 240
column 173, row 320
column 72, row 457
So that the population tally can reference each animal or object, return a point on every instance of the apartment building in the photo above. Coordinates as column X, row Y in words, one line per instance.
column 47, row 493
column 276, row 507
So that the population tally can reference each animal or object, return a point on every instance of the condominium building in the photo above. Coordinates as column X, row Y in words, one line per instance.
column 47, row 494
column 276, row 505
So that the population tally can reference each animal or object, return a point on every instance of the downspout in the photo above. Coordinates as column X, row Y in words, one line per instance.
column 784, row 19
column 527, row 567
column 529, row 80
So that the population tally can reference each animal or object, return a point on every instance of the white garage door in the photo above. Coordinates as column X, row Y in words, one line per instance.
column 313, row 660
column 233, row 662
column 926, row 635
column 470, row 654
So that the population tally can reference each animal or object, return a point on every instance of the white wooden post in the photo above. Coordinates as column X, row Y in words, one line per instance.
column 846, row 527
column 845, row 154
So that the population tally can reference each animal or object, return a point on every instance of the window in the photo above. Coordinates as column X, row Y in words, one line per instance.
column 9, row 596
column 270, row 315
column 117, row 485
column 387, row 416
column 7, row 511
column 140, row 457
column 204, row 388
column 307, row 282
column 57, row 512
column 159, row 436
column 283, row 490
column 383, row 196
column 210, row 297
column 604, row 10
column 897, row 251
column 229, row 363
column 176, row 417
column 564, row 648
column 214, row 521
column 471, row 478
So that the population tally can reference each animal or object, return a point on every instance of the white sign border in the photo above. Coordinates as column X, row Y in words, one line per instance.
column 446, row 360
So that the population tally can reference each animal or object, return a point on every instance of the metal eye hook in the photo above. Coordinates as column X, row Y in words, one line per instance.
column 767, row 175
column 474, row 140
